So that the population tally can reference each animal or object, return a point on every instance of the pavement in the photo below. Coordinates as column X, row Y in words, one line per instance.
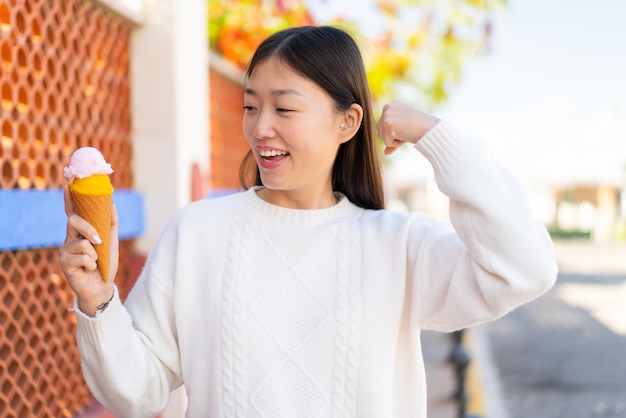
column 440, row 375
column 483, row 381
column 482, row 386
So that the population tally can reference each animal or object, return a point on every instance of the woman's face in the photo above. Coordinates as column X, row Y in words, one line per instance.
column 294, row 131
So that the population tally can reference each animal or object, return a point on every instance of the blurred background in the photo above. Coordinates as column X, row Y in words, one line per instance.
column 156, row 85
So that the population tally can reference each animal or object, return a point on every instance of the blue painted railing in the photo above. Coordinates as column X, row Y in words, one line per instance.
column 36, row 218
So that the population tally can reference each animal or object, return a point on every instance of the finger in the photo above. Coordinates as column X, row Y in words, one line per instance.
column 78, row 227
column 70, row 207
column 114, row 221
column 393, row 143
column 81, row 246
column 390, row 150
column 79, row 262
column 382, row 127
column 386, row 132
column 114, row 244
column 78, row 255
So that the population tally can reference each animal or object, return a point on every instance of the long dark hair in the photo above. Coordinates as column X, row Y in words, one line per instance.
column 329, row 57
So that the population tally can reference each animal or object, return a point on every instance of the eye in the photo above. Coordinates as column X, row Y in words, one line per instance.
column 248, row 108
column 282, row 110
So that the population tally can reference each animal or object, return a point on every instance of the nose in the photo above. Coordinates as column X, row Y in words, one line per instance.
column 263, row 125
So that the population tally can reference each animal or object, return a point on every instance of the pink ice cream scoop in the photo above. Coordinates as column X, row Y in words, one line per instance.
column 86, row 162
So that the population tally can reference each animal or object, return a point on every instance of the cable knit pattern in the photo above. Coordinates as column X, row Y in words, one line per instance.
column 348, row 319
column 269, row 312
column 294, row 246
column 233, row 395
column 355, row 318
column 289, row 381
column 342, row 327
column 290, row 312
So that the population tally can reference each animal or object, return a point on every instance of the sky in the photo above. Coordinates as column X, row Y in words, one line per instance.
column 550, row 97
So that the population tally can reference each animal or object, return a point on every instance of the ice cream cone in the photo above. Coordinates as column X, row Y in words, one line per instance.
column 96, row 209
column 92, row 193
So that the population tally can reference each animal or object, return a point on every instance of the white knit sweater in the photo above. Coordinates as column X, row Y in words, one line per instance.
column 264, row 311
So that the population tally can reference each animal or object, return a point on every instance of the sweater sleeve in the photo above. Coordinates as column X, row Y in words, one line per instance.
column 130, row 357
column 496, row 258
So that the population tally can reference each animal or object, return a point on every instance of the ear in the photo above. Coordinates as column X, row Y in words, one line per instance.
column 350, row 122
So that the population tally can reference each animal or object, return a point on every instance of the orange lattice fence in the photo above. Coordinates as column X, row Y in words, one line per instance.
column 228, row 145
column 64, row 84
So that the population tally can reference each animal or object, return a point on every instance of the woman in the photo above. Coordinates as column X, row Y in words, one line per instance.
column 302, row 296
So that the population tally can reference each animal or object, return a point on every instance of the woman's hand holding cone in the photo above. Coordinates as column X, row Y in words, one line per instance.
column 78, row 259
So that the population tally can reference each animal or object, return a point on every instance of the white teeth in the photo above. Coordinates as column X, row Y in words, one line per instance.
column 272, row 153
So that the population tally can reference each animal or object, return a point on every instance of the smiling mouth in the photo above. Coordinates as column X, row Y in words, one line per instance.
column 272, row 155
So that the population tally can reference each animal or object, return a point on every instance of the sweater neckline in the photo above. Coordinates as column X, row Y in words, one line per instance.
column 271, row 213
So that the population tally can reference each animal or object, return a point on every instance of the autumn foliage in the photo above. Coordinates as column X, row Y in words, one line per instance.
column 417, row 55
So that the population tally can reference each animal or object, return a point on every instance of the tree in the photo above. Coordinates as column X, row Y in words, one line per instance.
column 237, row 27
column 417, row 56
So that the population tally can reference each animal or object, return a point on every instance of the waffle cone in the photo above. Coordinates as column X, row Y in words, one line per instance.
column 96, row 209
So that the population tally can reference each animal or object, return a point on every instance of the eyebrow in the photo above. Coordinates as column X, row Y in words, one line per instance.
column 277, row 92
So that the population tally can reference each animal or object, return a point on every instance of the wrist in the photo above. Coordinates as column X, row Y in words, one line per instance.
column 429, row 123
column 94, row 306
